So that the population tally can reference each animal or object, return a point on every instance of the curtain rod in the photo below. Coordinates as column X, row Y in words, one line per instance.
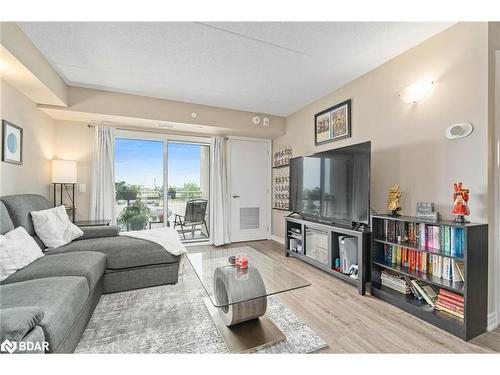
column 157, row 132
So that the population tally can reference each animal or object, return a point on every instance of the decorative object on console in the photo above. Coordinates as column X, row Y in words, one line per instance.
column 241, row 262
column 12, row 143
column 333, row 123
column 425, row 210
column 63, row 174
column 394, row 201
column 460, row 199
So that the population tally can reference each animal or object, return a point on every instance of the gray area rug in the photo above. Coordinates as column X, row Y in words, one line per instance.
column 174, row 319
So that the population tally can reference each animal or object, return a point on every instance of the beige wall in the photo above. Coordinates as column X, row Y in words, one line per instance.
column 74, row 141
column 33, row 176
column 145, row 112
column 408, row 142
column 51, row 89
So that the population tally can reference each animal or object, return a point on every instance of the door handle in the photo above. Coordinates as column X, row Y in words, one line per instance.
column 236, row 196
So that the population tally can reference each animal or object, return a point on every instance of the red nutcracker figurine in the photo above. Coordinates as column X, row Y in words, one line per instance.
column 460, row 199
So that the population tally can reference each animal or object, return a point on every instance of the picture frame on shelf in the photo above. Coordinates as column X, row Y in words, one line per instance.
column 12, row 143
column 333, row 123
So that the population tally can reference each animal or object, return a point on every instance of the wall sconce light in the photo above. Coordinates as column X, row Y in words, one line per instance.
column 416, row 92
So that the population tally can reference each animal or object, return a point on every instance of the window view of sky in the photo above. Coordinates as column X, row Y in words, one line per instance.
column 140, row 162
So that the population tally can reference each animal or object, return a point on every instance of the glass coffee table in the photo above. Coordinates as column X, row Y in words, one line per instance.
column 237, row 298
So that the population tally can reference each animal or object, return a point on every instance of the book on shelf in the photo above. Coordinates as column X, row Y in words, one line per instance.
column 426, row 291
column 451, row 303
column 395, row 281
column 414, row 290
column 429, row 264
column 448, row 239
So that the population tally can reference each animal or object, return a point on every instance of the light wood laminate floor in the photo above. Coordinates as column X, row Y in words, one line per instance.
column 351, row 323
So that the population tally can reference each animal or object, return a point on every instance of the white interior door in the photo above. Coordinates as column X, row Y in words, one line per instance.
column 249, row 178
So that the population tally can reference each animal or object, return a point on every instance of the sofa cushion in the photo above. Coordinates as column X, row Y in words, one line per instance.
column 61, row 299
column 97, row 232
column 17, row 250
column 88, row 264
column 16, row 322
column 6, row 224
column 122, row 252
column 19, row 208
column 54, row 227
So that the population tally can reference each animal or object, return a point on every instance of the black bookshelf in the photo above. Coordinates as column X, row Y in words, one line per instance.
column 474, row 288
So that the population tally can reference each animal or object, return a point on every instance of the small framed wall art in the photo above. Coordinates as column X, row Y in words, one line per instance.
column 12, row 143
column 333, row 123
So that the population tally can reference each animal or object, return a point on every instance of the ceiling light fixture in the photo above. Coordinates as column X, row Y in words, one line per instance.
column 416, row 92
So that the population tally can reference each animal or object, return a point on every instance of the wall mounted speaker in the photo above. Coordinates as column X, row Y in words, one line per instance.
column 459, row 130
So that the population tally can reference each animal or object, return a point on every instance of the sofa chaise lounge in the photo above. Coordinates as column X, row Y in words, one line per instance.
column 59, row 291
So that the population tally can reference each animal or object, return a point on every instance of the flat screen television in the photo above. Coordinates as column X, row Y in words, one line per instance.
column 332, row 186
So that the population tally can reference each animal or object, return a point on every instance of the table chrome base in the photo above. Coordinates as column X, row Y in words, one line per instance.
column 245, row 337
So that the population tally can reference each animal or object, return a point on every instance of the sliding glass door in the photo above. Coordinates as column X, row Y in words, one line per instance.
column 189, row 189
column 139, row 171
column 163, row 182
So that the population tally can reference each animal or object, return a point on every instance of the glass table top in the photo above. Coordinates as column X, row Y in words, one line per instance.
column 226, row 284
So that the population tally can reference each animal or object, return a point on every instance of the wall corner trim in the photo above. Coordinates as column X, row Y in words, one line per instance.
column 492, row 321
column 278, row 239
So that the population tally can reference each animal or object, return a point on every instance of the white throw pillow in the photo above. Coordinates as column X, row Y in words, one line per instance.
column 17, row 250
column 54, row 227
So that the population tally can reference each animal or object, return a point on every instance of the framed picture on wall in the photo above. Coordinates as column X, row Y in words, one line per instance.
column 12, row 143
column 333, row 123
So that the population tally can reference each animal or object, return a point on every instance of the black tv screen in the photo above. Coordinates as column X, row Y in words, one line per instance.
column 333, row 185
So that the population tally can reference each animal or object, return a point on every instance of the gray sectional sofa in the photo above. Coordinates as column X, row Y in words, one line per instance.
column 53, row 298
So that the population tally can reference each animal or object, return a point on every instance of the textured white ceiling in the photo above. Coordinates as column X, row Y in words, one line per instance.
column 274, row 68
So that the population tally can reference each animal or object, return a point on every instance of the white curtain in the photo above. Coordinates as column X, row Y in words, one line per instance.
column 219, row 203
column 102, row 193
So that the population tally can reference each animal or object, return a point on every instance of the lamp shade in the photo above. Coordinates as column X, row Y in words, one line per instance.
column 63, row 172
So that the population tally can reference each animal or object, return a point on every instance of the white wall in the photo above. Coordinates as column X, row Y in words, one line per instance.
column 34, row 175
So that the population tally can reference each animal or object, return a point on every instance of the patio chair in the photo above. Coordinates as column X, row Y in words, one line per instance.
column 196, row 210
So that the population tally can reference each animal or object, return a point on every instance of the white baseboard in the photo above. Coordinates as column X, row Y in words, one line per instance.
column 195, row 243
column 492, row 321
column 278, row 239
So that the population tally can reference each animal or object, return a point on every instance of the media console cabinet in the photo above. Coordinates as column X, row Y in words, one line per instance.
column 318, row 245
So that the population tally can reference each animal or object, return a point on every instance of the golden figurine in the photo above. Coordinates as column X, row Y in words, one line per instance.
column 394, row 201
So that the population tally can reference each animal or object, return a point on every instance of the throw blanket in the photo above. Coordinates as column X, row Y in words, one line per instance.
column 167, row 238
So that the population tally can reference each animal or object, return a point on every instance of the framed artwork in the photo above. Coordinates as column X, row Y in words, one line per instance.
column 12, row 143
column 333, row 123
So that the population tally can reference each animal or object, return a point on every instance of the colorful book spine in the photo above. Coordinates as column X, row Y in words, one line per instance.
column 436, row 237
